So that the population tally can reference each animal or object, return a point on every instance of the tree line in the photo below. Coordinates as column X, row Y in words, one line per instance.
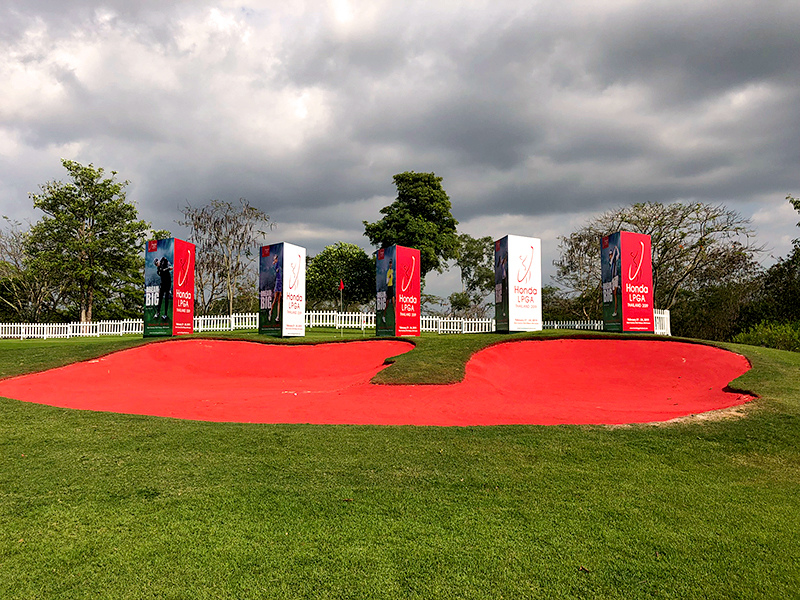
column 706, row 270
column 83, row 259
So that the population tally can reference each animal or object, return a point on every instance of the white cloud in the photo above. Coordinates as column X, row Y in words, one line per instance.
column 536, row 115
column 775, row 221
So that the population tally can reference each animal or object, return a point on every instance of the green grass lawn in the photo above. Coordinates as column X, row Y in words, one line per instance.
column 96, row 505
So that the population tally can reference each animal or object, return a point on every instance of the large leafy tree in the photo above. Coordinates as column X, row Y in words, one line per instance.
column 419, row 218
column 694, row 245
column 778, row 297
column 340, row 262
column 89, row 240
column 476, row 262
column 714, row 309
column 226, row 236
column 25, row 295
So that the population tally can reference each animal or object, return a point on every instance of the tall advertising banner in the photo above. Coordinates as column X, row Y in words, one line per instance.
column 294, row 306
column 169, row 287
column 385, row 274
column 408, row 313
column 501, row 284
column 518, row 283
column 183, row 286
column 282, row 290
column 626, row 267
column 611, row 278
column 397, row 283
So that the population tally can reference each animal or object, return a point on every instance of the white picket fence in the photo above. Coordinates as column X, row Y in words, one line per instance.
column 440, row 325
column 331, row 318
column 590, row 325
column 226, row 322
column 352, row 320
column 661, row 322
column 70, row 330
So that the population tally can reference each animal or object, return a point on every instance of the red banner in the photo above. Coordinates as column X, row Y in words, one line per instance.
column 183, row 288
column 408, row 292
column 637, row 282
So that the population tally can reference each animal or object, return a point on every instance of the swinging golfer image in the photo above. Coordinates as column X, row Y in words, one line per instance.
column 615, row 266
column 498, row 288
column 390, row 284
column 278, row 289
column 163, row 269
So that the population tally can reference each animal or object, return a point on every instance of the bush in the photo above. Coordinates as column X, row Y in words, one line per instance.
column 782, row 336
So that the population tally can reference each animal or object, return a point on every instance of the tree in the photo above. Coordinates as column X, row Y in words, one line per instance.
column 715, row 312
column 778, row 296
column 796, row 203
column 435, row 306
column 419, row 218
column 89, row 241
column 693, row 244
column 460, row 303
column 225, row 237
column 340, row 262
column 25, row 295
column 476, row 262
column 558, row 306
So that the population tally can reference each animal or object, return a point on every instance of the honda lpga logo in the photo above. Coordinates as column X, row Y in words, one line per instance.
column 634, row 256
column 409, row 273
column 185, row 262
column 525, row 269
column 295, row 267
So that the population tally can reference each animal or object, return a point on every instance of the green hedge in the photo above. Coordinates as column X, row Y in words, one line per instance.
column 782, row 336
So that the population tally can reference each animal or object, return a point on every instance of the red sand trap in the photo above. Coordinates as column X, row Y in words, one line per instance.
column 533, row 382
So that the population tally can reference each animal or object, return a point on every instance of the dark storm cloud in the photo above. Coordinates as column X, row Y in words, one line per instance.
column 322, row 58
column 473, row 131
column 284, row 189
column 308, row 110
column 686, row 53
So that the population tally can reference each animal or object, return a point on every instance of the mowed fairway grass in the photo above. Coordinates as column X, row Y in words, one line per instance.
column 97, row 505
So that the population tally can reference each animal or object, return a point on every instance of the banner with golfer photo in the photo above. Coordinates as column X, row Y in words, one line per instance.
column 397, row 283
column 169, row 287
column 282, row 290
column 626, row 268
column 518, row 283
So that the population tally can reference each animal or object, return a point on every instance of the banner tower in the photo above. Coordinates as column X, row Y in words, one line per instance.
column 518, row 283
column 626, row 266
column 397, row 283
column 168, row 287
column 282, row 290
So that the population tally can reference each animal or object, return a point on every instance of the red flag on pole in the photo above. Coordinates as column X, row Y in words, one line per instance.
column 341, row 285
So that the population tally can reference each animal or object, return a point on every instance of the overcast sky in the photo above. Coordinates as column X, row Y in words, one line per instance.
column 538, row 115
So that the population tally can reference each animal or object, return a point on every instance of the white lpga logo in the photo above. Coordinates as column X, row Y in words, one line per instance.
column 408, row 276
column 295, row 272
column 184, row 273
column 639, row 266
column 526, row 274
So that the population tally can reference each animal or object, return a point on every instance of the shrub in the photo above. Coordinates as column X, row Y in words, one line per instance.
column 782, row 336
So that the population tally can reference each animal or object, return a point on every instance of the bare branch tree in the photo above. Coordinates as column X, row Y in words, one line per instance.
column 28, row 292
column 692, row 243
column 226, row 237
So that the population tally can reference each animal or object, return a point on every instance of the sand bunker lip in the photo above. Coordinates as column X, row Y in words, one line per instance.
column 544, row 382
